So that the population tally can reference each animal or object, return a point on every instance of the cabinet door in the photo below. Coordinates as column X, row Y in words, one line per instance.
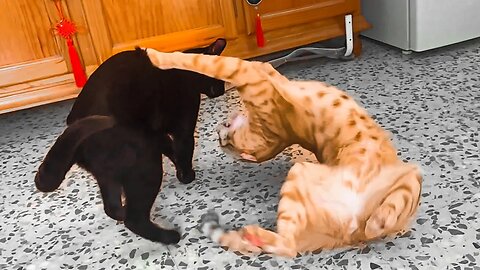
column 166, row 25
column 34, row 64
column 28, row 49
column 286, row 13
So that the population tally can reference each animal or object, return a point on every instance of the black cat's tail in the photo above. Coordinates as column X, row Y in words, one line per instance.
column 60, row 158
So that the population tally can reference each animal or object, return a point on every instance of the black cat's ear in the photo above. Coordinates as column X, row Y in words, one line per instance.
column 217, row 47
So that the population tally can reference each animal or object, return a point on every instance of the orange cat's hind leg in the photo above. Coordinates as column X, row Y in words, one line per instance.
column 399, row 206
column 268, row 241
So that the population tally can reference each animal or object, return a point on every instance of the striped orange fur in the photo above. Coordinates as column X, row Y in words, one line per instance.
column 360, row 191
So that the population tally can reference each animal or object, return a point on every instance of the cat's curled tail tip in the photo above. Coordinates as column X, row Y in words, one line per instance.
column 209, row 218
column 210, row 225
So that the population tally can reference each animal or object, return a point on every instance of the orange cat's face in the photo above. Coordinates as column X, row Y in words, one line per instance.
column 225, row 130
column 226, row 133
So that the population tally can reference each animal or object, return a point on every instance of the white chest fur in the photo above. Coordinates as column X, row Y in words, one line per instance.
column 339, row 197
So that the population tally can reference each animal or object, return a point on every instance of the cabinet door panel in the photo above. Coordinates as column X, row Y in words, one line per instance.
column 130, row 20
column 25, row 32
column 28, row 47
column 287, row 13
column 185, row 15
column 123, row 24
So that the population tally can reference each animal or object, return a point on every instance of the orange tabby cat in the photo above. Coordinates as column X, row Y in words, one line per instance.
column 362, row 191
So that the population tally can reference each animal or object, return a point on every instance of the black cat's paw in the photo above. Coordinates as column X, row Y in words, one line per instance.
column 186, row 177
column 117, row 213
column 152, row 232
column 171, row 237
column 45, row 182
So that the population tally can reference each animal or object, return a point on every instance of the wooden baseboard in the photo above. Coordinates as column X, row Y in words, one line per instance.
column 39, row 96
column 245, row 46
column 40, row 92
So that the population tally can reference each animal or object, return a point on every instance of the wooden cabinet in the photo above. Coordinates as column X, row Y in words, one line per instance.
column 292, row 23
column 279, row 14
column 30, row 55
column 167, row 25
column 34, row 64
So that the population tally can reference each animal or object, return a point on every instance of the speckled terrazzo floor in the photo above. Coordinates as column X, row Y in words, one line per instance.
column 430, row 101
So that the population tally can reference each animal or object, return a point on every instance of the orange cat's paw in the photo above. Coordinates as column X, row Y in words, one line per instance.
column 248, row 157
column 268, row 241
column 381, row 222
column 235, row 241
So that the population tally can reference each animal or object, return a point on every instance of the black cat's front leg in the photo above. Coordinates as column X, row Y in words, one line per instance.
column 141, row 188
column 183, row 148
column 167, row 146
column 181, row 156
column 112, row 198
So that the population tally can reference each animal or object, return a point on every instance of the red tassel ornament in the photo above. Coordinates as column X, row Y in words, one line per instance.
column 78, row 72
column 66, row 29
column 258, row 23
column 259, row 31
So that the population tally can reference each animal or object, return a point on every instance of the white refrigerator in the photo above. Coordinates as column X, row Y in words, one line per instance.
column 420, row 25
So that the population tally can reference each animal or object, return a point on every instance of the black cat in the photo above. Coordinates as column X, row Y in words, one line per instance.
column 128, row 87
column 126, row 117
column 123, row 159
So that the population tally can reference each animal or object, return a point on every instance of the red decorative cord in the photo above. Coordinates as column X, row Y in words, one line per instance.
column 66, row 29
column 258, row 23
